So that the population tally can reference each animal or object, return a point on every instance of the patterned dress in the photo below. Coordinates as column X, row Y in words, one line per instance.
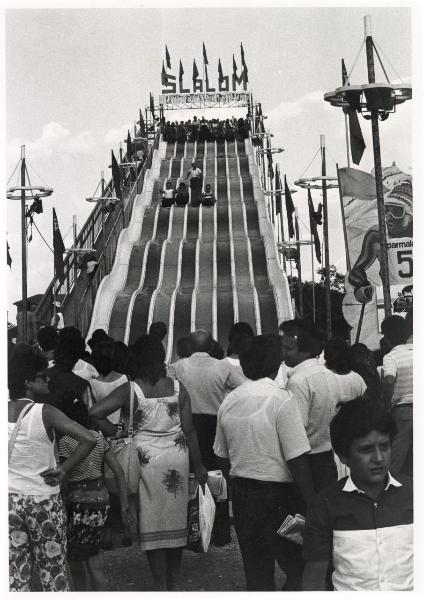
column 164, row 460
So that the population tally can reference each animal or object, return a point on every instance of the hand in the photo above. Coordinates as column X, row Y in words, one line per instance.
column 364, row 294
column 53, row 476
column 127, row 517
column 201, row 476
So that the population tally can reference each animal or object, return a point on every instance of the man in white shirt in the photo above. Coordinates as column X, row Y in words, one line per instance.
column 261, row 441
column 206, row 380
column 398, row 375
column 195, row 176
column 315, row 389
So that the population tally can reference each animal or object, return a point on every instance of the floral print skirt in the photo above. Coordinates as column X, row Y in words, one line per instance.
column 37, row 537
column 88, row 504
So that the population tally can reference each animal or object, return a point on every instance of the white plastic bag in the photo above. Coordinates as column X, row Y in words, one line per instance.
column 206, row 516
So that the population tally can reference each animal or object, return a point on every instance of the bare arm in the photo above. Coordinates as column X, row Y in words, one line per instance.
column 55, row 419
column 115, row 467
column 301, row 473
column 191, row 435
column 314, row 576
column 388, row 389
column 118, row 398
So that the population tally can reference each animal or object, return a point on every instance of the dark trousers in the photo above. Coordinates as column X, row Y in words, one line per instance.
column 205, row 426
column 402, row 452
column 259, row 509
column 323, row 468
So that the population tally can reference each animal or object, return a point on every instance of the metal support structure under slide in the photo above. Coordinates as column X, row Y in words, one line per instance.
column 198, row 268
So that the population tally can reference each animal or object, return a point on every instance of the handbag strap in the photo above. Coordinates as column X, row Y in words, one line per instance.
column 131, row 419
column 15, row 431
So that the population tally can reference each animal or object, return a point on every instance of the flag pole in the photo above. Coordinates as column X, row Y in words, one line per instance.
column 74, row 226
column 361, row 318
column 298, row 265
column 384, row 262
column 54, row 283
column 313, row 277
column 281, row 218
column 326, row 241
column 24, row 251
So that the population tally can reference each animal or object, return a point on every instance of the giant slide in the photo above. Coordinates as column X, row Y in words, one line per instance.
column 196, row 268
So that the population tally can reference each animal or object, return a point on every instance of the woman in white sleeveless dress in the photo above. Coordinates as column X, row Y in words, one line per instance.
column 165, row 436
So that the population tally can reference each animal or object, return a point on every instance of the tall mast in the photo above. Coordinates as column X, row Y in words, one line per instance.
column 24, row 250
column 384, row 262
column 326, row 244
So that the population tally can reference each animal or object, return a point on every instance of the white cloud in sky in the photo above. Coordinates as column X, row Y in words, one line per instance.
column 288, row 110
column 116, row 134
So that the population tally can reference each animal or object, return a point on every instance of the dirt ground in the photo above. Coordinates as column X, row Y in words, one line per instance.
column 220, row 569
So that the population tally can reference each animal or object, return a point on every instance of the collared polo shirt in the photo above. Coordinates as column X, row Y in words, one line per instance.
column 317, row 393
column 206, row 380
column 259, row 429
column 399, row 363
column 370, row 541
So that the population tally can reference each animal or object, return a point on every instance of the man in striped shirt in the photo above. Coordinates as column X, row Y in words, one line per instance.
column 398, row 388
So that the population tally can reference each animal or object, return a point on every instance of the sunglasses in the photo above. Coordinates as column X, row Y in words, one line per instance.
column 396, row 212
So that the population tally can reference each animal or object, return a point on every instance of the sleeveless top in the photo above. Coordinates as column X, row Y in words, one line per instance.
column 101, row 389
column 32, row 454
column 157, row 416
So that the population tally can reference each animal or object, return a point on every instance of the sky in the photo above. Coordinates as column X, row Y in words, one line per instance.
column 76, row 78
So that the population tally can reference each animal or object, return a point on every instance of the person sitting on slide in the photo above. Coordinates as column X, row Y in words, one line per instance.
column 207, row 197
column 168, row 194
column 181, row 194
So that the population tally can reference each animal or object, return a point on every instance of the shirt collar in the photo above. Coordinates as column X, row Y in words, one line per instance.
column 350, row 486
column 309, row 362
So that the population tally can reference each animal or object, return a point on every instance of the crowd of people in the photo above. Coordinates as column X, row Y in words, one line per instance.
column 195, row 130
column 297, row 425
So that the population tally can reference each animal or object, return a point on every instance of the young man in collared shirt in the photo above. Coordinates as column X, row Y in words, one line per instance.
column 364, row 522
column 316, row 392
column 398, row 367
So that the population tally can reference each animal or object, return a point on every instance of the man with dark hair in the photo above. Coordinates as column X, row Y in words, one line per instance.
column 398, row 375
column 315, row 389
column 158, row 330
column 206, row 380
column 261, row 441
column 364, row 522
column 47, row 340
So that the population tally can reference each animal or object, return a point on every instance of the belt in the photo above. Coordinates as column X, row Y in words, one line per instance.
column 251, row 483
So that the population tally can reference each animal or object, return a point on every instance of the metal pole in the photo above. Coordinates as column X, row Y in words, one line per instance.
column 384, row 262
column 326, row 244
column 313, row 277
column 75, row 256
column 24, row 252
column 298, row 265
column 102, row 202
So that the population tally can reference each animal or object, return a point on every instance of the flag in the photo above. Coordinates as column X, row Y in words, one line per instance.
column 277, row 193
column 168, row 58
column 243, row 63
column 195, row 70
column 220, row 73
column 315, row 219
column 58, row 250
column 9, row 258
column 181, row 71
column 116, row 176
column 270, row 162
column 234, row 67
column 130, row 147
column 152, row 105
column 297, row 254
column 357, row 143
column 289, row 207
column 164, row 76
column 205, row 58
column 142, row 126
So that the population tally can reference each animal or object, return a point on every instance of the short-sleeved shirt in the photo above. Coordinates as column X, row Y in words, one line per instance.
column 259, row 429
column 91, row 466
column 369, row 540
column 399, row 363
column 193, row 173
column 206, row 380
column 316, row 392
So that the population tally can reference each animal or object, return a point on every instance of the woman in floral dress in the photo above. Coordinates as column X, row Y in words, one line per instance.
column 165, row 436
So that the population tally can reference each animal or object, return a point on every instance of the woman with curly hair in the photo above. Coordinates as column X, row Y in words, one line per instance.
column 165, row 436
column 37, row 518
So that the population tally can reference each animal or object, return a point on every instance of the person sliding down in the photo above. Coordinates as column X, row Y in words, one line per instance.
column 195, row 177
column 207, row 198
column 168, row 194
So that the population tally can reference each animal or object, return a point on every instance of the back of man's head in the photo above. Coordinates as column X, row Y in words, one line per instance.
column 47, row 338
column 200, row 341
column 394, row 329
column 158, row 330
column 308, row 337
column 260, row 356
column 355, row 420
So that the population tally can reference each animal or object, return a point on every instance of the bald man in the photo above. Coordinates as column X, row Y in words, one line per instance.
column 207, row 380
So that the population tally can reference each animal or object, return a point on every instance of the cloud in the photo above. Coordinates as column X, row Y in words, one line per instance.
column 55, row 140
column 116, row 134
column 296, row 108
